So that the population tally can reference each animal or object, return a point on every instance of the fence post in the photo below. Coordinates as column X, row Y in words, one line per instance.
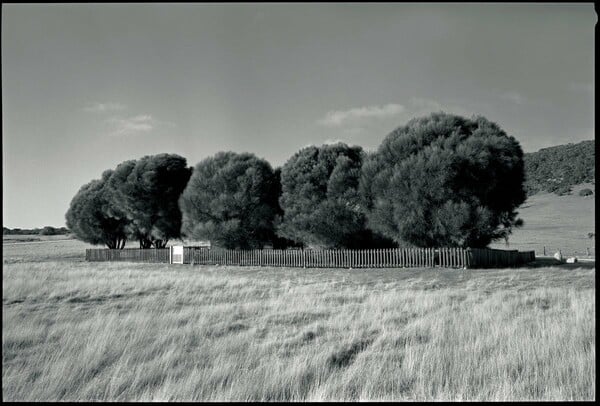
column 303, row 258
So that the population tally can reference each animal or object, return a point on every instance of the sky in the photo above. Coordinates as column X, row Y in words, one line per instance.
column 87, row 86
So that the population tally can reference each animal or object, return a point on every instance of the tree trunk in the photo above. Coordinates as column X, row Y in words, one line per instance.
column 160, row 243
column 120, row 243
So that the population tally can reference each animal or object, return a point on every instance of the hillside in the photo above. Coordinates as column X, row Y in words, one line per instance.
column 556, row 222
column 557, row 169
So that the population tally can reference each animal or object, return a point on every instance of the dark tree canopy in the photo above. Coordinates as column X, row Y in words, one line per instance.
column 320, row 199
column 48, row 230
column 93, row 218
column 445, row 180
column 231, row 199
column 280, row 242
column 147, row 190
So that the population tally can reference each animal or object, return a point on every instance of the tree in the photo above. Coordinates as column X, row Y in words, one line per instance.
column 444, row 180
column 48, row 230
column 63, row 230
column 93, row 218
column 280, row 242
column 320, row 199
column 147, row 191
column 231, row 199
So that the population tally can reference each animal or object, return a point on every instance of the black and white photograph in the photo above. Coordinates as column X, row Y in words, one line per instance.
column 298, row 202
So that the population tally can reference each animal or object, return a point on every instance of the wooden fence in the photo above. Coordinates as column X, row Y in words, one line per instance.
column 376, row 258
column 382, row 258
column 160, row 255
column 492, row 258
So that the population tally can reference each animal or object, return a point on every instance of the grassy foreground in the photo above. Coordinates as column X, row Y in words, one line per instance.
column 80, row 331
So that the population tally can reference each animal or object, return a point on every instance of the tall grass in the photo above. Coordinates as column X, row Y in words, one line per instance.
column 156, row 332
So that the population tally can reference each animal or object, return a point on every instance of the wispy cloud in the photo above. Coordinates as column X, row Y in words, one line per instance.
column 340, row 117
column 104, row 107
column 334, row 141
column 360, row 120
column 513, row 96
column 142, row 123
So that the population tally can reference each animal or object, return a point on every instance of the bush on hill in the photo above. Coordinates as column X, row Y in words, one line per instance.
column 557, row 169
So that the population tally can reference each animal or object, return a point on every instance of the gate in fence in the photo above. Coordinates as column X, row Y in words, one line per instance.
column 376, row 258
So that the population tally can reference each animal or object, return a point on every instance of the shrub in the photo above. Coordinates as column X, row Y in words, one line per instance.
column 94, row 218
column 444, row 180
column 231, row 199
column 48, row 230
column 320, row 199
column 147, row 191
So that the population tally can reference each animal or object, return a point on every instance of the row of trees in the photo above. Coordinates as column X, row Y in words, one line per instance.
column 441, row 180
column 47, row 230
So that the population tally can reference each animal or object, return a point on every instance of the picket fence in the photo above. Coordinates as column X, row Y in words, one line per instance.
column 375, row 258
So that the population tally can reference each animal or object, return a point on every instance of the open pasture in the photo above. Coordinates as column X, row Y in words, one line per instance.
column 556, row 222
column 120, row 331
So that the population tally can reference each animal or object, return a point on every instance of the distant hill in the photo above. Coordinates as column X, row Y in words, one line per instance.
column 557, row 169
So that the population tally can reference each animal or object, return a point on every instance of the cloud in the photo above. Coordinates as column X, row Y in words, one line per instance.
column 361, row 120
column 334, row 141
column 104, row 107
column 513, row 96
column 340, row 117
column 142, row 123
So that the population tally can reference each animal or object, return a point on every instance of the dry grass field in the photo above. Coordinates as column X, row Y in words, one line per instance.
column 114, row 331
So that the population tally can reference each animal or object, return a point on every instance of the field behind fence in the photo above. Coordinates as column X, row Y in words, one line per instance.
column 375, row 258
